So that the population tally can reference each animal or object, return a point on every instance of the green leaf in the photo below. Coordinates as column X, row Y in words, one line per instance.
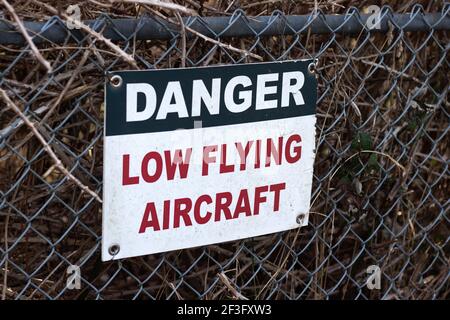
column 373, row 161
column 362, row 141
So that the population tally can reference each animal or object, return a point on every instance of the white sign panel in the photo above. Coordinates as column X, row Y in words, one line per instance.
column 206, row 155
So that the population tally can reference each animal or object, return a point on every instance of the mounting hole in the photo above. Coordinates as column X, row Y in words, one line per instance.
column 312, row 68
column 116, row 81
column 114, row 249
column 300, row 218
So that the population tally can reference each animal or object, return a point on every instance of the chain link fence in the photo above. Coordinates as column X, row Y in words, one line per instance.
column 381, row 179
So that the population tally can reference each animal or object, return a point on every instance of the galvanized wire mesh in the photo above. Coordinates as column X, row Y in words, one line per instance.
column 380, row 194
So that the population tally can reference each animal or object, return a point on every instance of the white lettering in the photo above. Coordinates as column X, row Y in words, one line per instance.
column 200, row 93
column 245, row 96
column 294, row 89
column 150, row 101
column 173, row 100
column 173, row 90
column 262, row 91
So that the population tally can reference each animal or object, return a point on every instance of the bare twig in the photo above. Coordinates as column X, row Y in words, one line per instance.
column 280, row 268
column 223, row 45
column 5, row 274
column 125, row 56
column 174, row 289
column 165, row 5
column 183, row 40
column 222, row 276
column 47, row 147
column 402, row 74
column 402, row 168
column 27, row 37
column 206, row 38
column 67, row 86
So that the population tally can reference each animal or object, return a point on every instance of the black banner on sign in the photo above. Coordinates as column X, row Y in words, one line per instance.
column 170, row 99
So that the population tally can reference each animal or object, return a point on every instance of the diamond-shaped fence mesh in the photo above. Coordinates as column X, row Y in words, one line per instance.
column 381, row 175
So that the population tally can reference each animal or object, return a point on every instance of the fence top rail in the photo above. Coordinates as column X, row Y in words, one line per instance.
column 237, row 25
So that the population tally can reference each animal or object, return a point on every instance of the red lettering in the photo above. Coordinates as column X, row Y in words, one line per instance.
column 152, row 155
column 297, row 149
column 224, row 167
column 226, row 208
column 223, row 206
column 177, row 161
column 197, row 216
column 150, row 210
column 259, row 199
column 166, row 219
column 243, row 204
column 182, row 212
column 243, row 153
column 207, row 159
column 126, row 179
column 258, row 154
column 276, row 188
column 272, row 152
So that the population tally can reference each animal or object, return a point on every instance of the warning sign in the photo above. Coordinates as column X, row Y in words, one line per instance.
column 206, row 155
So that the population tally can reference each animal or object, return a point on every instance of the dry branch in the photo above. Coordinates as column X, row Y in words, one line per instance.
column 47, row 147
column 125, row 56
column 160, row 4
column 222, row 276
column 27, row 37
